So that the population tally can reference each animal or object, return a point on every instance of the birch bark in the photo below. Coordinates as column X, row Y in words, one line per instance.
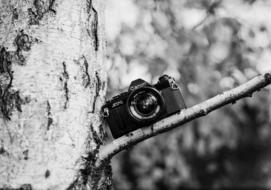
column 52, row 85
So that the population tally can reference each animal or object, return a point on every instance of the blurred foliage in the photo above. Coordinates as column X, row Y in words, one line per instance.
column 208, row 46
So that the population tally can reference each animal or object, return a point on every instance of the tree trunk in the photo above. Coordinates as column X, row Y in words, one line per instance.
column 52, row 86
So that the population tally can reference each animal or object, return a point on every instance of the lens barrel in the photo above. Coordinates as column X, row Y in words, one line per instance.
column 145, row 104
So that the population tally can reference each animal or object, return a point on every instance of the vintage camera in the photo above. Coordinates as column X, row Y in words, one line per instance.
column 142, row 105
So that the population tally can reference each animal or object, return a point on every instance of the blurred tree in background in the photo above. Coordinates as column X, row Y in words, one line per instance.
column 208, row 46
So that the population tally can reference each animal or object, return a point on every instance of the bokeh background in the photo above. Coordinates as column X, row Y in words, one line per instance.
column 208, row 46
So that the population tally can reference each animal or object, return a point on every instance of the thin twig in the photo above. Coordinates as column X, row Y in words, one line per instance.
column 189, row 114
column 201, row 22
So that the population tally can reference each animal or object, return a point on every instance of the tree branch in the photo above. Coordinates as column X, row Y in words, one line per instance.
column 186, row 115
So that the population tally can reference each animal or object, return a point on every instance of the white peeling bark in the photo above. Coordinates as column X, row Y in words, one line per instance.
column 52, row 86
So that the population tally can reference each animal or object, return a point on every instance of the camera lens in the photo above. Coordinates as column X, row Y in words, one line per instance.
column 146, row 103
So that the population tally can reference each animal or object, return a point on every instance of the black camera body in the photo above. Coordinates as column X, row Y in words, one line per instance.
column 142, row 105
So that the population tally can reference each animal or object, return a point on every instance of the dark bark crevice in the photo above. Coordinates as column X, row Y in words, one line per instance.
column 84, row 65
column 92, row 28
column 47, row 174
column 89, row 176
column 88, row 172
column 23, row 42
column 98, row 88
column 49, row 116
column 25, row 154
column 100, row 177
column 86, row 77
column 64, row 79
column 85, row 172
column 3, row 151
column 9, row 99
column 99, row 84
column 22, row 187
column 15, row 14
column 41, row 7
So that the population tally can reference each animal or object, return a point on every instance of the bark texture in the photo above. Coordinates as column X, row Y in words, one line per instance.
column 52, row 86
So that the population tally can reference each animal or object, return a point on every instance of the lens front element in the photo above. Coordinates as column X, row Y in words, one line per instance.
column 145, row 104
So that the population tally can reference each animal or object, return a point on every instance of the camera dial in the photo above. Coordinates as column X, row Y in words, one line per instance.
column 145, row 104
